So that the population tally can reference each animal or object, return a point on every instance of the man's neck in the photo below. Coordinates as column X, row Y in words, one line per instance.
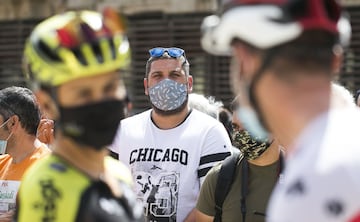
column 87, row 160
column 271, row 155
column 169, row 121
column 306, row 102
column 21, row 147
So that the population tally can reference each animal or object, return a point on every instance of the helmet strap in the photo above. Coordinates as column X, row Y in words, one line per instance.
column 268, row 57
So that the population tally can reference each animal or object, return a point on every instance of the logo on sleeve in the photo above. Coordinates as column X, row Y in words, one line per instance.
column 297, row 188
column 334, row 207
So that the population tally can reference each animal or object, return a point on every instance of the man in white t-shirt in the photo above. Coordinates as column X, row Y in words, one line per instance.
column 170, row 147
column 285, row 56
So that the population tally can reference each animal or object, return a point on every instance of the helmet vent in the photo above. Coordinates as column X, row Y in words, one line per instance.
column 97, row 52
column 296, row 8
column 47, row 52
column 331, row 10
column 112, row 49
column 79, row 56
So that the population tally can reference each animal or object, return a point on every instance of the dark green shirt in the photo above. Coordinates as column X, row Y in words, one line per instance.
column 261, row 182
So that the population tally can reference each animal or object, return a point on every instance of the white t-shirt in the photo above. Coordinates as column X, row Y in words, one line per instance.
column 168, row 166
column 322, row 176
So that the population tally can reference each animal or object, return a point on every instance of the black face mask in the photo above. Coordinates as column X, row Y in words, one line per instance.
column 94, row 124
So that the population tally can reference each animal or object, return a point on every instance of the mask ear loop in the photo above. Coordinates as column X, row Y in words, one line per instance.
column 4, row 123
column 11, row 133
column 267, row 59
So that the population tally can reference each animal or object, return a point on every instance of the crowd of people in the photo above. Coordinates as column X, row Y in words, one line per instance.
column 71, row 148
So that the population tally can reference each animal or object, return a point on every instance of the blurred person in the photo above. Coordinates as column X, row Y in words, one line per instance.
column 293, row 50
column 357, row 100
column 225, row 117
column 74, row 60
column 19, row 147
column 211, row 107
column 45, row 131
column 340, row 96
column 206, row 105
column 170, row 147
column 129, row 105
column 257, row 169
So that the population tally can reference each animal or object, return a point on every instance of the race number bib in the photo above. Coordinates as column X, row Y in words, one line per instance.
column 8, row 192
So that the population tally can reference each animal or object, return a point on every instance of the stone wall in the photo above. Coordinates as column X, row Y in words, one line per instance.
column 24, row 9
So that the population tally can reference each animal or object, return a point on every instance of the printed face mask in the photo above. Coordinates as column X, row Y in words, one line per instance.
column 168, row 94
column 249, row 147
column 3, row 143
column 94, row 125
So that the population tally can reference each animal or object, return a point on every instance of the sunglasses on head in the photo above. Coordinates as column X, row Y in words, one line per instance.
column 173, row 52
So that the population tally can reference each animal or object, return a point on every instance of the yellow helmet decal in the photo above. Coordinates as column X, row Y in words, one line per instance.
column 75, row 45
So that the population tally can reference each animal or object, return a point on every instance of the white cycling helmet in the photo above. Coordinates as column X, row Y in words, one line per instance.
column 268, row 23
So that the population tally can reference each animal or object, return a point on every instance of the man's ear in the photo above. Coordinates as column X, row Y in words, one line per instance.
column 146, row 91
column 249, row 60
column 13, row 123
column 47, row 105
column 190, row 83
column 337, row 60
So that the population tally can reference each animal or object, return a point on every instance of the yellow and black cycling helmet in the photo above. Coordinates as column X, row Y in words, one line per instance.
column 76, row 44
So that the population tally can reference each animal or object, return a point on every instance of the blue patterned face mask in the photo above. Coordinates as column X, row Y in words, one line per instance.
column 168, row 94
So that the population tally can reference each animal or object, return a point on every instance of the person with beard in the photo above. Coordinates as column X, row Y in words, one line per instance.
column 170, row 147
column 257, row 168
column 74, row 61
column 285, row 57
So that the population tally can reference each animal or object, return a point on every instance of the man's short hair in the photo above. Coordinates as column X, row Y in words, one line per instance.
column 21, row 102
column 312, row 52
column 185, row 63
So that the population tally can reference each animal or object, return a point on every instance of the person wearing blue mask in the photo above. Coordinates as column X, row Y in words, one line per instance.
column 19, row 146
column 170, row 147
column 285, row 56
